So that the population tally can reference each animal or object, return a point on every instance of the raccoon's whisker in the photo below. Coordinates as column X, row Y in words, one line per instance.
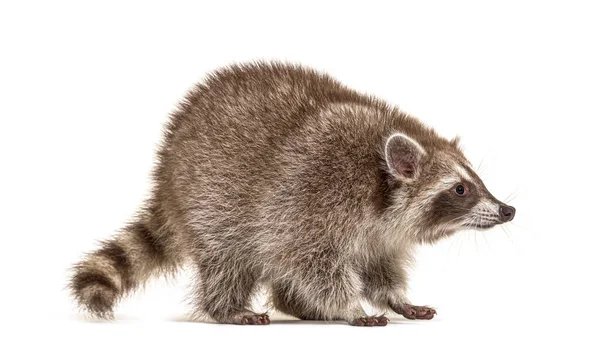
column 505, row 232
column 476, row 244
column 518, row 225
column 460, row 246
column 512, row 195
column 455, row 219
column 481, row 167
column 510, row 198
column 454, row 241
column 487, row 243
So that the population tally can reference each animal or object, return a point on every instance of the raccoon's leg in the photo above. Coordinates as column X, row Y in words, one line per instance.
column 308, row 308
column 284, row 301
column 385, row 284
column 224, row 287
column 119, row 266
column 314, row 299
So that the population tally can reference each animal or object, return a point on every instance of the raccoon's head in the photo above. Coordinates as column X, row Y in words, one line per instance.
column 436, row 192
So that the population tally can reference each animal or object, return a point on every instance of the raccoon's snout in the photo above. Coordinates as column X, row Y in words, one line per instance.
column 507, row 213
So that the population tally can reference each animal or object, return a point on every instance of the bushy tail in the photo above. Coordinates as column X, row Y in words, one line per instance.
column 118, row 267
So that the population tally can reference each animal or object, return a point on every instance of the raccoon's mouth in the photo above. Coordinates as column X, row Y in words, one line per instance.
column 481, row 226
column 485, row 224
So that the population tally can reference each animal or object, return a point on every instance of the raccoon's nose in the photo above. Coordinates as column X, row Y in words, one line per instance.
column 507, row 213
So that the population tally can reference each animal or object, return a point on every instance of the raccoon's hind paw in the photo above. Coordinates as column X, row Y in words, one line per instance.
column 255, row 319
column 370, row 321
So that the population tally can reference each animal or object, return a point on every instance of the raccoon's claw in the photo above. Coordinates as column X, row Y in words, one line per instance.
column 415, row 312
column 256, row 319
column 370, row 321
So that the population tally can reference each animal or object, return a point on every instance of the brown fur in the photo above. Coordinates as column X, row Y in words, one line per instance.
column 273, row 174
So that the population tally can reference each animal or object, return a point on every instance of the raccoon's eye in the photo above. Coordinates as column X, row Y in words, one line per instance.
column 461, row 190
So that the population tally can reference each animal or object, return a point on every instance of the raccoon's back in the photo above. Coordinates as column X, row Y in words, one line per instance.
column 253, row 106
column 221, row 147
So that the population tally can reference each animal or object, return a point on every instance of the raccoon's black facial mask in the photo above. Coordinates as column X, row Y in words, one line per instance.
column 446, row 194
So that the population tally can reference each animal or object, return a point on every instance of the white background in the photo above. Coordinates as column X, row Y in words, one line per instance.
column 85, row 90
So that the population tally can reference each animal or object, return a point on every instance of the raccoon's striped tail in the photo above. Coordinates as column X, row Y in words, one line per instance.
column 118, row 267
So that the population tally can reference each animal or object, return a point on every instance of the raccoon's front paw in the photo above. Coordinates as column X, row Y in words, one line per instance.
column 415, row 312
column 370, row 321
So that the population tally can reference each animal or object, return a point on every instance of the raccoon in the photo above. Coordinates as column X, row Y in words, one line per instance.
column 275, row 176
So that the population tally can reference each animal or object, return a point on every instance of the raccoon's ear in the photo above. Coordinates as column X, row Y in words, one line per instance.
column 403, row 156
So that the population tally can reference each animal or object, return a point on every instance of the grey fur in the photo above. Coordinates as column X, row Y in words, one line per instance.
column 275, row 175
